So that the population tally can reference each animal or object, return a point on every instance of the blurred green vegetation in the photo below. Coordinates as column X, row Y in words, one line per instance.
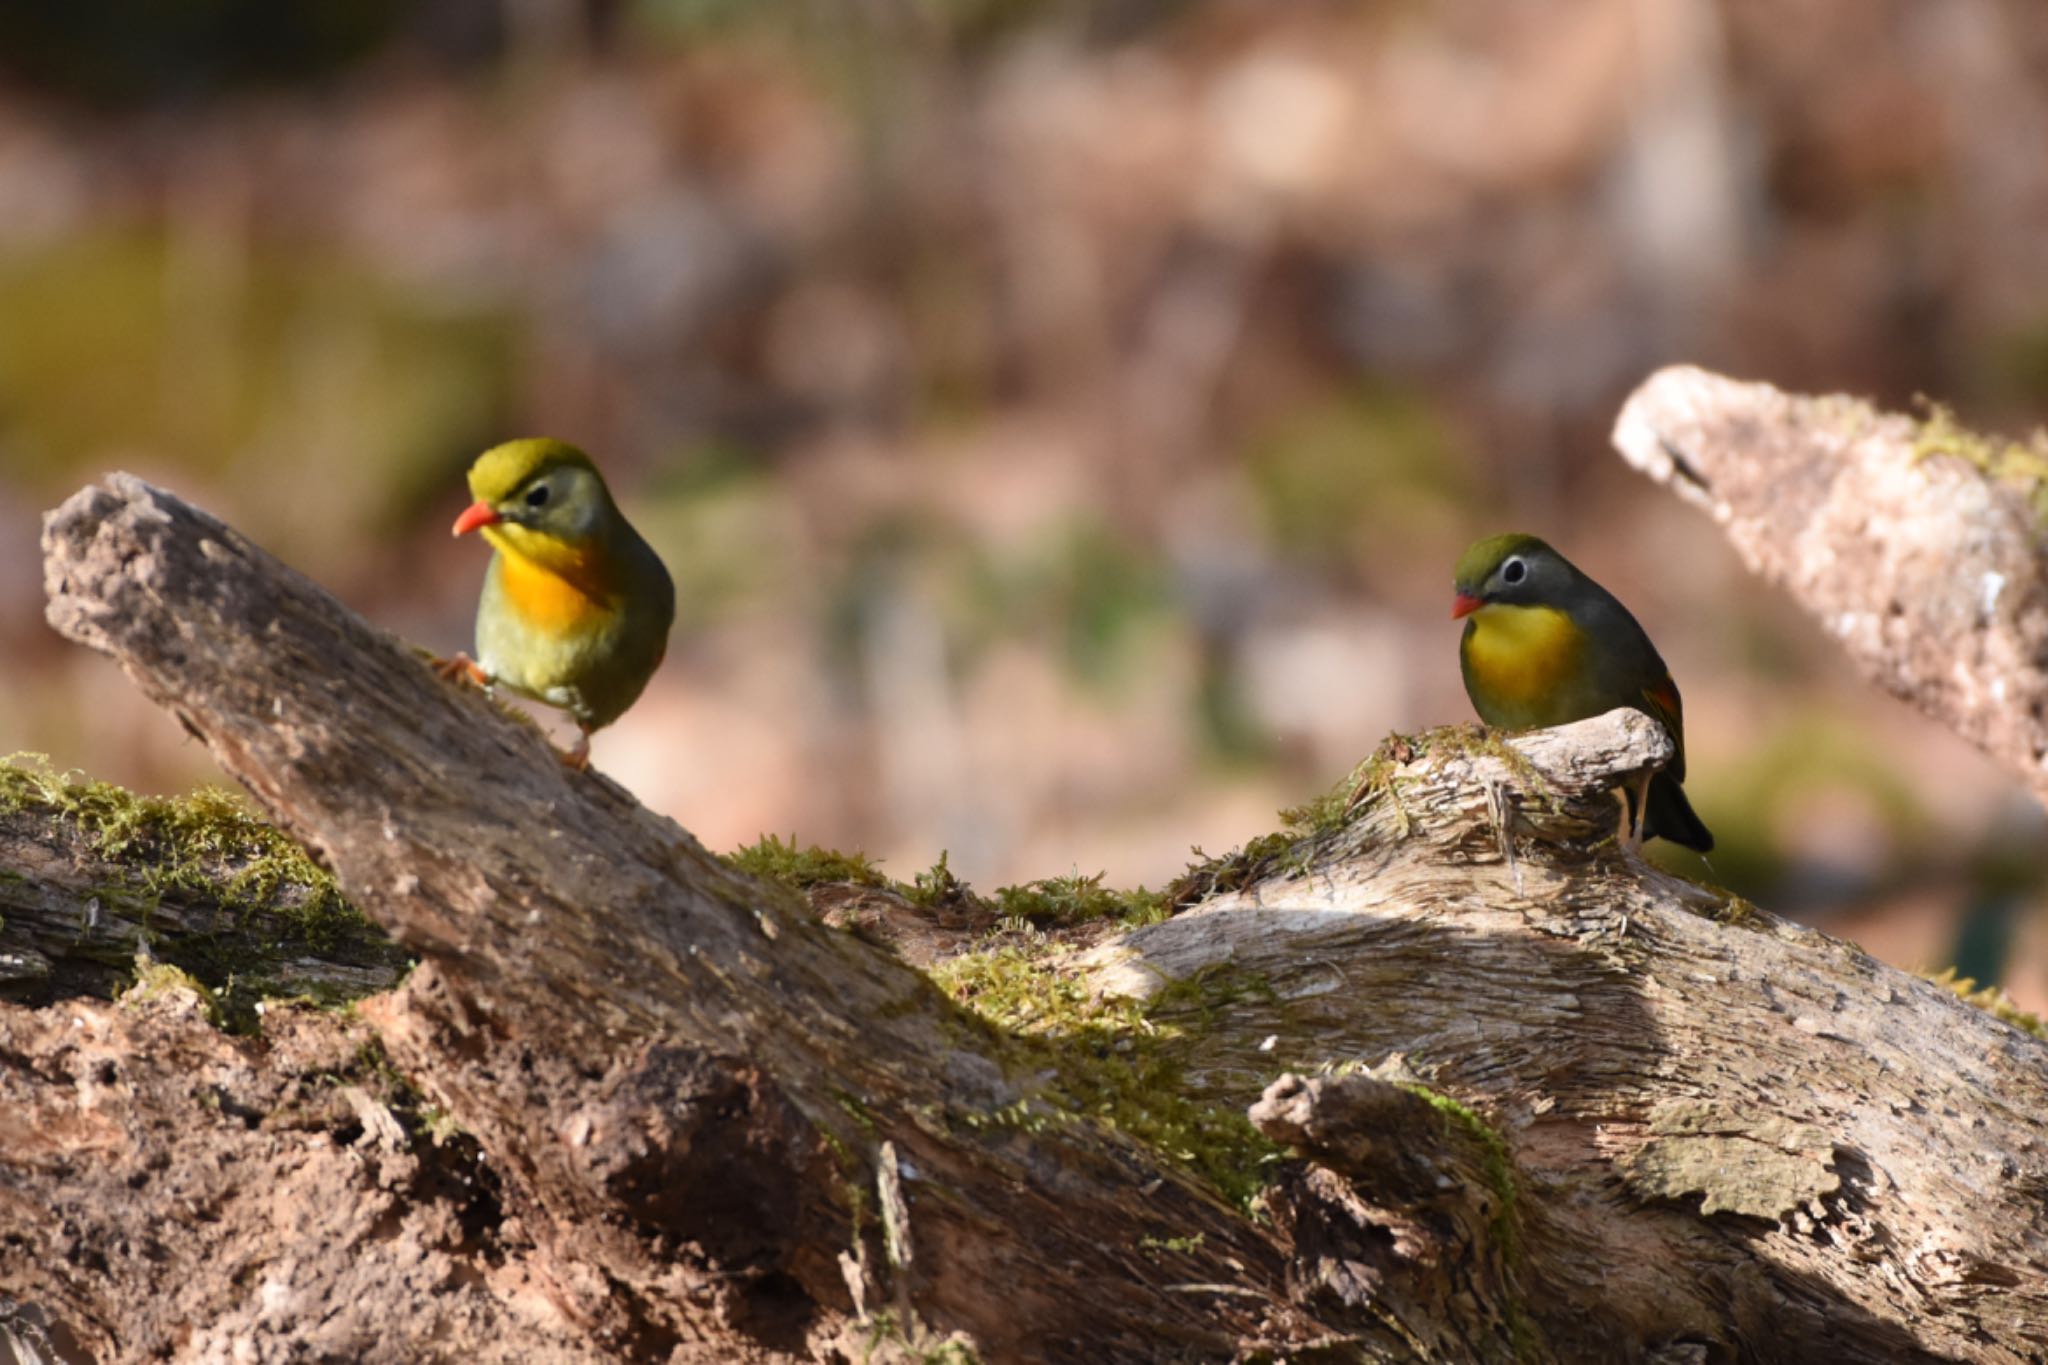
column 328, row 399
column 250, row 361
column 2014, row 364
column 1082, row 585
column 1751, row 803
column 1336, row 479
column 1815, row 759
column 1078, row 589
column 714, row 511
column 968, row 25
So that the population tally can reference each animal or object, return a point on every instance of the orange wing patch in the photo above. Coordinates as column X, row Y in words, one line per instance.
column 1663, row 698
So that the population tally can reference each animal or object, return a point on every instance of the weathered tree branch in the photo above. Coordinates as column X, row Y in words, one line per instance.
column 1547, row 1102
column 1918, row 546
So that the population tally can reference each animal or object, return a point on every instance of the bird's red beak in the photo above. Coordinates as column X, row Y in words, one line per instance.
column 1464, row 604
column 475, row 515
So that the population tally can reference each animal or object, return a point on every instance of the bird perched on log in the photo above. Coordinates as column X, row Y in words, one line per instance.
column 576, row 607
column 1545, row 645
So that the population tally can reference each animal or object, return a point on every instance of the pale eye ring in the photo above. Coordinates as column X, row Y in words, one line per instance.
column 537, row 496
column 1514, row 571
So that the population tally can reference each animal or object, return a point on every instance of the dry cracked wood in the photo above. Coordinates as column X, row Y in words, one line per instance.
column 1579, row 1109
column 1898, row 535
column 168, row 1191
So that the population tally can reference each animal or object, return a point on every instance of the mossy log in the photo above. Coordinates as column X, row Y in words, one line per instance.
column 94, row 880
column 1496, row 1088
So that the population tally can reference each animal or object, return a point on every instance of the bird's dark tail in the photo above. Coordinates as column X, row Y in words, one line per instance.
column 1671, row 816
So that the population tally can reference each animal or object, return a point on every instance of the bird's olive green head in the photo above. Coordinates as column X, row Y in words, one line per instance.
column 537, row 486
column 1511, row 570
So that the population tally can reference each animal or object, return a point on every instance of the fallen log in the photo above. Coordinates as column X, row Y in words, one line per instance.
column 1512, row 1092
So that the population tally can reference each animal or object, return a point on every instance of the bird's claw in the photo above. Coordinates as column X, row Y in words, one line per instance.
column 576, row 758
column 459, row 667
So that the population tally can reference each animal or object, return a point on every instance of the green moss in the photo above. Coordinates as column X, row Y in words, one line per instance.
column 185, row 843
column 208, row 846
column 856, row 1109
column 1076, row 899
column 772, row 859
column 1373, row 778
column 1719, row 905
column 2022, row 464
column 418, row 1117
column 1473, row 740
column 938, row 887
column 1497, row 1165
column 1016, row 990
column 1740, row 914
column 1198, row 997
column 1322, row 814
column 890, row 1337
column 162, row 981
column 373, row 1064
column 1046, row 903
column 1232, row 871
column 1114, row 1062
column 1505, row 1224
column 1021, row 1116
column 1991, row 999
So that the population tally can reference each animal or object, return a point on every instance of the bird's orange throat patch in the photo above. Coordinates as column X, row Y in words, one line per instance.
column 1521, row 654
column 553, row 584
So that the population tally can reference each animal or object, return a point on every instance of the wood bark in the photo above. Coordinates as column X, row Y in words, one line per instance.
column 1917, row 546
column 1544, row 1101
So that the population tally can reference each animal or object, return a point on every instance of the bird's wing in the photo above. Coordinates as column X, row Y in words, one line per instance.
column 1661, row 697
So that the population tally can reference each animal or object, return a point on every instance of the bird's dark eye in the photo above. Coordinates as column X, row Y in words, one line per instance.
column 1514, row 571
column 537, row 496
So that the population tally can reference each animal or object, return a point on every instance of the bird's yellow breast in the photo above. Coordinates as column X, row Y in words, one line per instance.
column 1521, row 654
column 553, row 585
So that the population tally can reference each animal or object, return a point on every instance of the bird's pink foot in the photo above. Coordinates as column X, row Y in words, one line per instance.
column 577, row 756
column 1635, row 812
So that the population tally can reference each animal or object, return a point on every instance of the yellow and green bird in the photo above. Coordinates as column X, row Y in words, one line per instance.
column 1545, row 645
column 576, row 607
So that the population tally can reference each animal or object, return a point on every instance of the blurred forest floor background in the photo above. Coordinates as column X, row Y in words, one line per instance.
column 1060, row 419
